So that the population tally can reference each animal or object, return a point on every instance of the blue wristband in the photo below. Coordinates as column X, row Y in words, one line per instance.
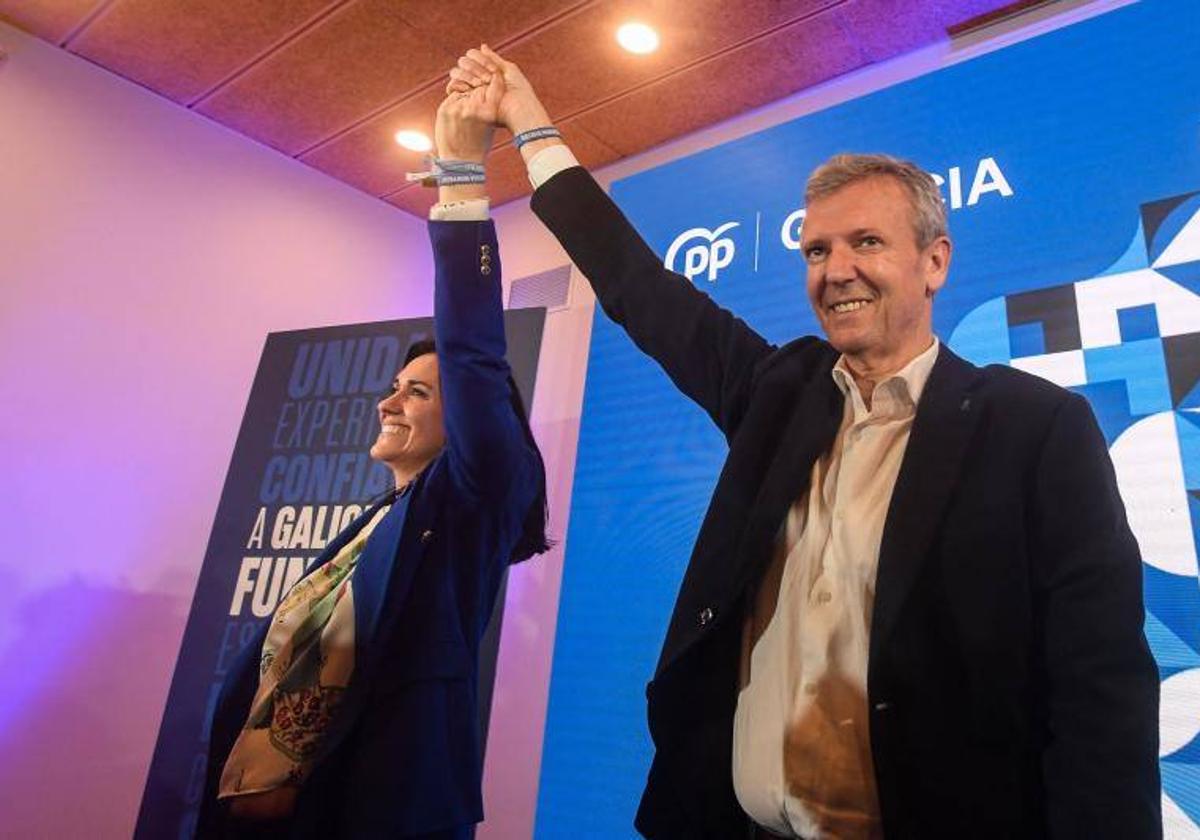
column 543, row 133
column 449, row 172
column 458, row 166
column 449, row 178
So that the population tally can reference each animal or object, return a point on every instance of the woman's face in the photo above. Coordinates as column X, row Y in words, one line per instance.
column 411, row 433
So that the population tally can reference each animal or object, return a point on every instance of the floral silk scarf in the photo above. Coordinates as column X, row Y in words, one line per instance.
column 307, row 660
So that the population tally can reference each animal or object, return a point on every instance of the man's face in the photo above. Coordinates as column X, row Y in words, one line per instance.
column 410, row 418
column 868, row 281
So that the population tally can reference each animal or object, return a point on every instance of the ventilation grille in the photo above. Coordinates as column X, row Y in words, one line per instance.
column 547, row 288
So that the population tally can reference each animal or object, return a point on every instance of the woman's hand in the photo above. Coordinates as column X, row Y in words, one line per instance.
column 466, row 120
column 518, row 109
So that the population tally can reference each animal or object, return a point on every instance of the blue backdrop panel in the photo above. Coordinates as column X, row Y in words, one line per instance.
column 1071, row 167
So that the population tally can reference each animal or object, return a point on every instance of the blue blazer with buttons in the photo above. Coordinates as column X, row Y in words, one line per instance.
column 1010, row 687
column 402, row 755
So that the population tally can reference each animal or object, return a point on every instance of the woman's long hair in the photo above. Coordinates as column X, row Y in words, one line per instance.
column 533, row 539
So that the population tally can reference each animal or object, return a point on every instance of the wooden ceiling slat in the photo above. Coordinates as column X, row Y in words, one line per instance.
column 181, row 48
column 459, row 45
column 369, row 158
column 415, row 201
column 362, row 56
column 993, row 16
column 462, row 24
column 372, row 53
column 579, row 62
column 51, row 21
column 765, row 70
column 331, row 81
column 886, row 28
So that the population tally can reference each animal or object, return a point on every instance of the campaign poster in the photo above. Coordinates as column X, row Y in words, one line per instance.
column 300, row 472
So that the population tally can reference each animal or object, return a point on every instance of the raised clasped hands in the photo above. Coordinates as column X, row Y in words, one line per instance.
column 466, row 121
column 518, row 108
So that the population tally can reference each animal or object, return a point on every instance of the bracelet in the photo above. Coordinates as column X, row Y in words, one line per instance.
column 445, row 179
column 458, row 166
column 448, row 172
column 542, row 133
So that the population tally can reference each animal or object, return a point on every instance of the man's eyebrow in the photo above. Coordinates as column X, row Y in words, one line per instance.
column 853, row 234
column 864, row 230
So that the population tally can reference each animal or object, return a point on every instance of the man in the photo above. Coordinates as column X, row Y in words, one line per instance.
column 914, row 606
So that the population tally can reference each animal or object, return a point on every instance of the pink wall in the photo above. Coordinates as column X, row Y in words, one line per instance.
column 144, row 254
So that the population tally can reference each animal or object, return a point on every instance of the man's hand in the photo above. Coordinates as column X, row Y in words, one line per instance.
column 466, row 120
column 519, row 108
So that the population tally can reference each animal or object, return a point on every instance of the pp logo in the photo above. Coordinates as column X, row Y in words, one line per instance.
column 712, row 253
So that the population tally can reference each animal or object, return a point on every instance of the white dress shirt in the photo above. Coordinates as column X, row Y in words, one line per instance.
column 801, row 749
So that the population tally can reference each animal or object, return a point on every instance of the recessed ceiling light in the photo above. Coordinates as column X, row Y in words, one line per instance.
column 414, row 140
column 637, row 38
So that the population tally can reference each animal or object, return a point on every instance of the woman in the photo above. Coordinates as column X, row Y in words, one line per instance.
column 355, row 713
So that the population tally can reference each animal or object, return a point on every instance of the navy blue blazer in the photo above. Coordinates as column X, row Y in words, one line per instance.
column 1010, row 687
column 402, row 755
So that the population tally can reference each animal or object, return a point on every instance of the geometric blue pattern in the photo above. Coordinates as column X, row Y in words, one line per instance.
column 1187, row 433
column 1176, row 606
column 1027, row 339
column 1110, row 404
column 1141, row 366
column 1126, row 382
column 1170, row 227
column 1138, row 322
column 982, row 336
column 1134, row 258
column 1172, row 653
column 1181, row 782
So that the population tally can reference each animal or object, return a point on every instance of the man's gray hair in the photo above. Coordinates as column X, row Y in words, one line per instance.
column 929, row 211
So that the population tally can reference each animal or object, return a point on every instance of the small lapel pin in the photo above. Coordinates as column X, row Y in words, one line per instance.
column 966, row 404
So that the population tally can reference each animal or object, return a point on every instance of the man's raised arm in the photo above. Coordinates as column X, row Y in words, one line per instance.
column 709, row 354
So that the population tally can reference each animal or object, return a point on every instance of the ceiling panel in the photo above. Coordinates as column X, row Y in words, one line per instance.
column 331, row 81
column 364, row 58
column 51, row 20
column 182, row 48
column 461, row 24
column 359, row 59
column 415, row 201
column 790, row 59
column 578, row 61
column 368, row 156
column 884, row 28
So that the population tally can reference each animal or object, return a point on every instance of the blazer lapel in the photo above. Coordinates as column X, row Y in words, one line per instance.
column 941, row 432
column 809, row 433
column 372, row 576
column 382, row 578
column 346, row 534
